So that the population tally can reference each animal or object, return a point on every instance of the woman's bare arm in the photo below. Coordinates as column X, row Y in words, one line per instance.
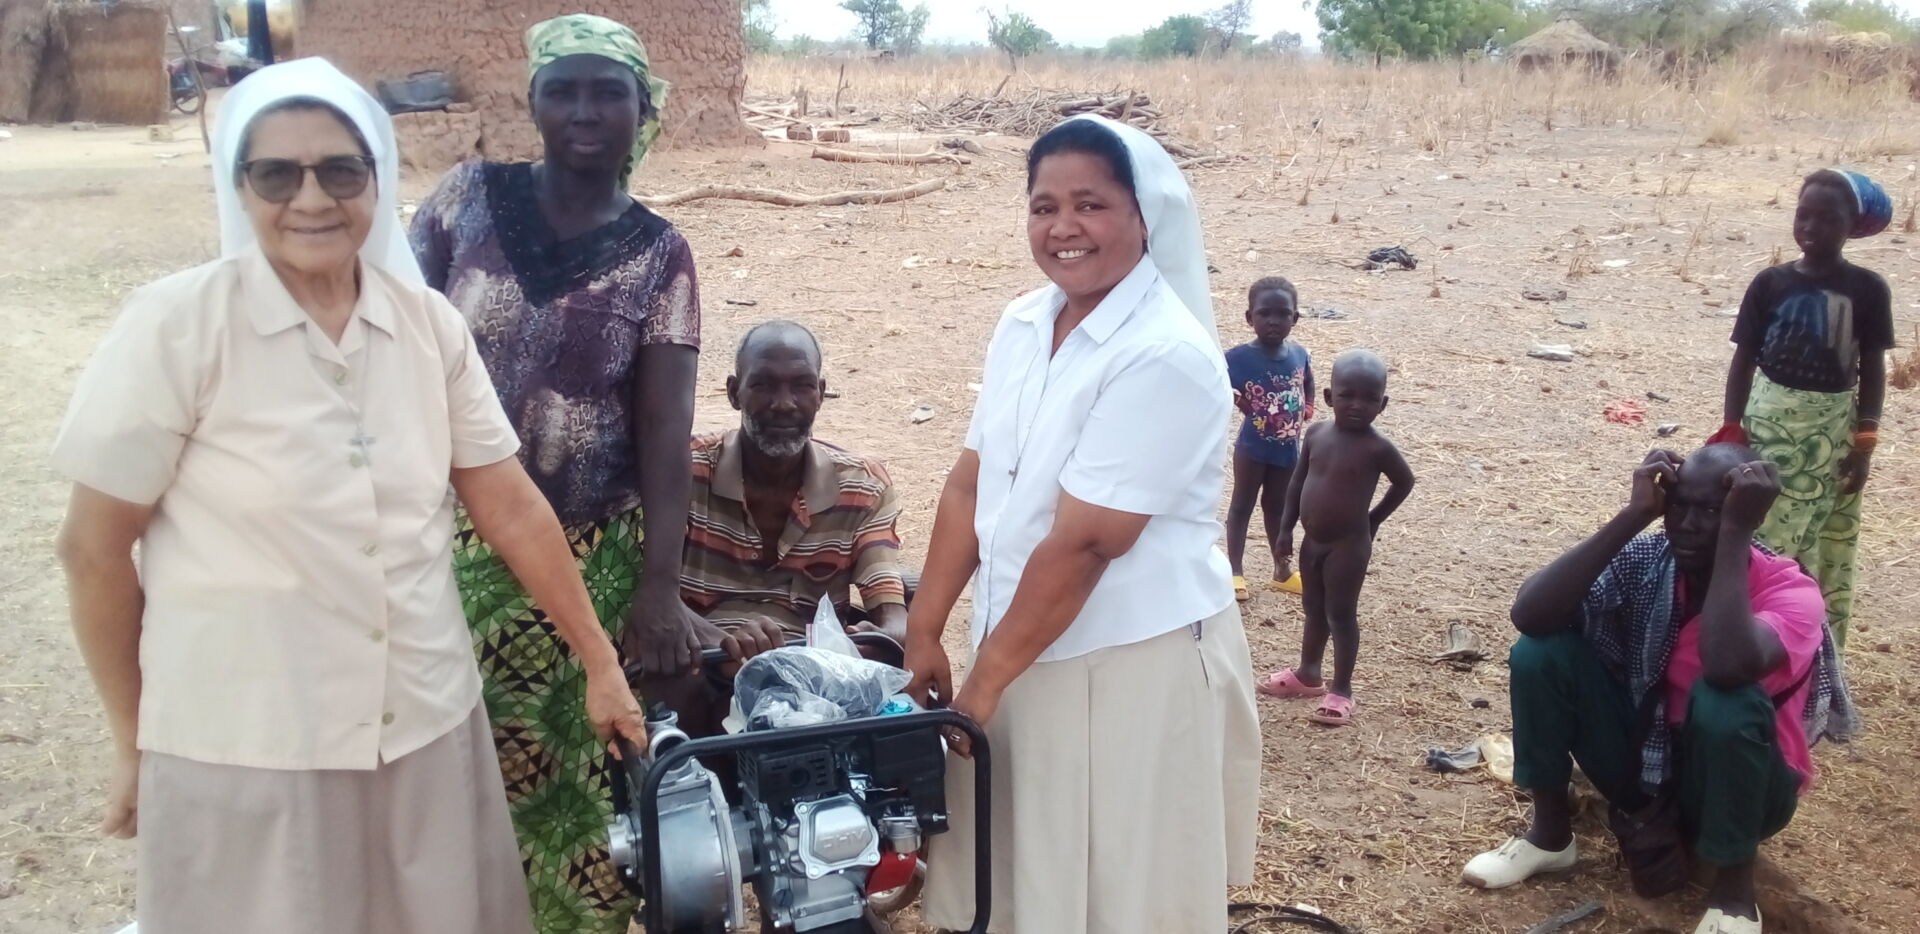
column 1060, row 575
column 103, row 590
column 513, row 516
column 953, row 554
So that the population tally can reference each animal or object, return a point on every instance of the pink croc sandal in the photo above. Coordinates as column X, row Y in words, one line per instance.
column 1334, row 711
column 1284, row 683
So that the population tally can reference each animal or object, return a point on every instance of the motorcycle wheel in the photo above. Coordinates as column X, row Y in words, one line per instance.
column 188, row 104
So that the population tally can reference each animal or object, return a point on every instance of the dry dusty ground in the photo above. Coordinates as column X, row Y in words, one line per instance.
column 1514, row 458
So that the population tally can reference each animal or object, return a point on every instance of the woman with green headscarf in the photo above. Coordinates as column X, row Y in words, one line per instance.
column 584, row 306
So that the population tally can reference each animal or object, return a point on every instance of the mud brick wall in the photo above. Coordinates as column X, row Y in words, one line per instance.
column 696, row 45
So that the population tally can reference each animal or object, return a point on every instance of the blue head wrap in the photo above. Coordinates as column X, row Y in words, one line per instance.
column 1873, row 209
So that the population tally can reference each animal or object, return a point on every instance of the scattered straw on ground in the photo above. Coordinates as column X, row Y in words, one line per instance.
column 1497, row 184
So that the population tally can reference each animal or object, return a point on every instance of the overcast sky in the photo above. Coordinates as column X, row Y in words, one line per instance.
column 1074, row 22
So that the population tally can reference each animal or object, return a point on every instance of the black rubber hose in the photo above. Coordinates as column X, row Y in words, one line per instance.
column 1282, row 914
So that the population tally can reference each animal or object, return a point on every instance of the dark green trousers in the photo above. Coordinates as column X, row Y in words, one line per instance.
column 1735, row 789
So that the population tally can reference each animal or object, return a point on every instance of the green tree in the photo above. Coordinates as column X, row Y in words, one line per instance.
column 880, row 20
column 1381, row 29
column 1501, row 21
column 803, row 45
column 1127, row 47
column 1178, row 35
column 1017, row 35
column 756, row 17
column 1864, row 16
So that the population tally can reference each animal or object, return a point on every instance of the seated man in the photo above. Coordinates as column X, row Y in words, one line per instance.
column 779, row 522
column 1724, row 642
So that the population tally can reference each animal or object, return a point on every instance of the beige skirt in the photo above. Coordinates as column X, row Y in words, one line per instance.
column 1125, row 792
column 420, row 845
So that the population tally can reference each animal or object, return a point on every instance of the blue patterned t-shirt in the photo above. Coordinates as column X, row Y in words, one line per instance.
column 1278, row 396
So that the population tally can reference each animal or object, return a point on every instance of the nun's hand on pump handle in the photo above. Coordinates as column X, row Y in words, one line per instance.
column 932, row 674
column 978, row 704
column 932, row 686
column 613, row 710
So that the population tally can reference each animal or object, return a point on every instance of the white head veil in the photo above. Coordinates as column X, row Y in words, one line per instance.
column 315, row 79
column 1173, row 222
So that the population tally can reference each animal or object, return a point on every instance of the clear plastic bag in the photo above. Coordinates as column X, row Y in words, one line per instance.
column 802, row 686
column 828, row 633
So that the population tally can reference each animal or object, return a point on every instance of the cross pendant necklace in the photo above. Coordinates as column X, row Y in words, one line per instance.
column 364, row 442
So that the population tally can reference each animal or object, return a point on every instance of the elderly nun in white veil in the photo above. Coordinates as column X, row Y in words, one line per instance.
column 1109, row 667
column 298, row 736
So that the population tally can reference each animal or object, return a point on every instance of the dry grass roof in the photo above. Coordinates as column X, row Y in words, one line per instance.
column 1565, row 37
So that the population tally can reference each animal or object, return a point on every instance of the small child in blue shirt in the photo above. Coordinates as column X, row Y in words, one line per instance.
column 1272, row 379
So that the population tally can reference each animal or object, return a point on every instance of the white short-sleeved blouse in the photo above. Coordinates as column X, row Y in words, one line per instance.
column 300, row 603
column 1131, row 414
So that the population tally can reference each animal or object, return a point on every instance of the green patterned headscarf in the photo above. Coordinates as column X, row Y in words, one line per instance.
column 585, row 34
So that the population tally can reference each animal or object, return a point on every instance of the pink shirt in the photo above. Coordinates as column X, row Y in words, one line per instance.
column 1787, row 601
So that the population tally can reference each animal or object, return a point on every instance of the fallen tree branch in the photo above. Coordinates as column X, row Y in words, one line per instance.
column 1568, row 919
column 1206, row 160
column 930, row 157
column 769, row 114
column 791, row 200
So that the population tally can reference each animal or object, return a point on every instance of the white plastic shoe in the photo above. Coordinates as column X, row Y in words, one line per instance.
column 1717, row 922
column 1517, row 861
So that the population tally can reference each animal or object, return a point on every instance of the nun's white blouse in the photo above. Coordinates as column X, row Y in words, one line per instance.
column 1131, row 414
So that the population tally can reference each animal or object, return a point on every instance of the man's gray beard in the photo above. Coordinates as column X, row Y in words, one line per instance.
column 778, row 450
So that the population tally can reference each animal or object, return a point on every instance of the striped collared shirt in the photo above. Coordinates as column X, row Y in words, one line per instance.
column 840, row 534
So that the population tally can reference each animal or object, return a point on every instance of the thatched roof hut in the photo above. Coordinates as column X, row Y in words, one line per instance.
column 1566, row 42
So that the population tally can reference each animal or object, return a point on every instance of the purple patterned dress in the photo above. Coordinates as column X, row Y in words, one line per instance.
column 560, row 324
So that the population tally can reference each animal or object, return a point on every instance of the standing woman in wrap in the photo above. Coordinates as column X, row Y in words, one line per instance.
column 1110, row 670
column 292, row 693
column 583, row 304
column 1808, row 379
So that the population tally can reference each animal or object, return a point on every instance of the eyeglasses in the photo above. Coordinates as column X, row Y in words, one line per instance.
column 279, row 180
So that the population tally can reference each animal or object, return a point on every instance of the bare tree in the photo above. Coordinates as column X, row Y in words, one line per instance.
column 1228, row 23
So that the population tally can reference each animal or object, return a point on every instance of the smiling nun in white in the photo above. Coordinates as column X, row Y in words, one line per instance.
column 1110, row 669
column 298, row 736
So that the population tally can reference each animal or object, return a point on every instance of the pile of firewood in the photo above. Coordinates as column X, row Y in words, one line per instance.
column 1039, row 111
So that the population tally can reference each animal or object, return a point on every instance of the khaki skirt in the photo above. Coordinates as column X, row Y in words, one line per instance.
column 419, row 845
column 1125, row 792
